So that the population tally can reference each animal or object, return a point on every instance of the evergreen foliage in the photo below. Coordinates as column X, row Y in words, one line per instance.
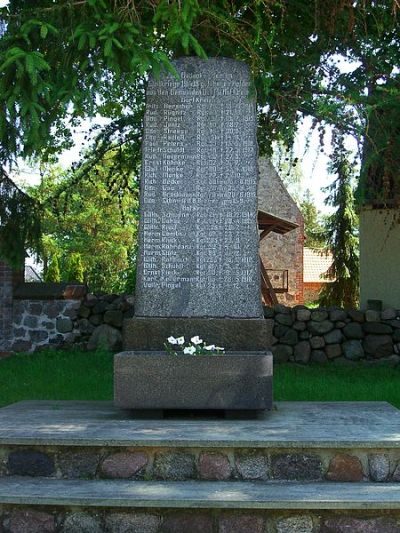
column 92, row 231
column 342, row 237
column 61, row 62
column 52, row 274
column 73, row 59
column 20, row 226
column 74, row 268
column 314, row 222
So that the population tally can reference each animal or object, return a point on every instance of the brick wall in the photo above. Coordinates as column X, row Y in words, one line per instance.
column 311, row 291
column 282, row 251
column 8, row 279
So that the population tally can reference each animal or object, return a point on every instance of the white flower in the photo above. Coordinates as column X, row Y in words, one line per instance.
column 219, row 348
column 180, row 340
column 209, row 348
column 189, row 350
column 196, row 340
column 172, row 340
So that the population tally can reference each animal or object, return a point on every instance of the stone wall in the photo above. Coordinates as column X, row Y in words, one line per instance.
column 38, row 323
column 87, row 323
column 207, row 464
column 300, row 335
column 99, row 320
column 282, row 252
column 321, row 335
column 60, row 519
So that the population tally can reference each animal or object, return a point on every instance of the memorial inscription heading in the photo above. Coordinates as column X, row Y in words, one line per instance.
column 198, row 237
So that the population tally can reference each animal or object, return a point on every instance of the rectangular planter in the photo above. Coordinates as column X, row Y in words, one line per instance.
column 156, row 380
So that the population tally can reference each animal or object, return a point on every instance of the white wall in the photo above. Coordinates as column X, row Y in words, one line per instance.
column 380, row 256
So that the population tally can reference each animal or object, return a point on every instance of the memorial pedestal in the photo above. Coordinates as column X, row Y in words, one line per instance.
column 160, row 381
column 233, row 334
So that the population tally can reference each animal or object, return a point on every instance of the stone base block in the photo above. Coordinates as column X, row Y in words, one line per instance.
column 155, row 380
column 148, row 333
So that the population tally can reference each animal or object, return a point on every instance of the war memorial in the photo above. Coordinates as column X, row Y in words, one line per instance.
column 195, row 442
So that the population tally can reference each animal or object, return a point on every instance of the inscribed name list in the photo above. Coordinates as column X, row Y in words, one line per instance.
column 198, row 237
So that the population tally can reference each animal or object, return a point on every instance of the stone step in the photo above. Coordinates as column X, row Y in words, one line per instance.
column 302, row 441
column 61, row 506
column 290, row 425
column 199, row 495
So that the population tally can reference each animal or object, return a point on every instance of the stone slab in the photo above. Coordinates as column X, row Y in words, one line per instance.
column 198, row 236
column 204, row 494
column 297, row 425
column 156, row 380
column 142, row 333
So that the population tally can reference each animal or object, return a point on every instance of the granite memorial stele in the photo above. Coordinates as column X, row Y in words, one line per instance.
column 198, row 263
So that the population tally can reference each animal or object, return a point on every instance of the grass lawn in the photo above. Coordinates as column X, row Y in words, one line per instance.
column 59, row 375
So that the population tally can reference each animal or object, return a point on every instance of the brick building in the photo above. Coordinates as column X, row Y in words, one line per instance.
column 9, row 278
column 316, row 264
column 282, row 252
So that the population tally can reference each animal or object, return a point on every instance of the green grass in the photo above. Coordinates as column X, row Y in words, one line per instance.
column 56, row 375
column 331, row 382
column 59, row 375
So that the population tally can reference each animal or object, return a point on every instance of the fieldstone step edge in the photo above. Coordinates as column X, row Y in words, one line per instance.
column 183, row 464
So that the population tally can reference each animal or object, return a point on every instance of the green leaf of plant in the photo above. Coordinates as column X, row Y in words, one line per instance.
column 197, row 47
column 44, row 31
column 82, row 41
column 117, row 43
column 185, row 41
column 108, row 48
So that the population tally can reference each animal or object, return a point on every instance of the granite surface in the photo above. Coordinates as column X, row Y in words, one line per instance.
column 150, row 333
column 155, row 380
column 206, row 494
column 198, row 237
column 291, row 425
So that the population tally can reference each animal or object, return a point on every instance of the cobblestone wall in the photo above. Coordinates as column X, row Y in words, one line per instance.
column 62, row 519
column 177, row 464
column 38, row 323
column 87, row 323
column 300, row 335
column 321, row 335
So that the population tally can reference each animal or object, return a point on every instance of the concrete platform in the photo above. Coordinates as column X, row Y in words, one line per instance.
column 195, row 495
column 290, row 425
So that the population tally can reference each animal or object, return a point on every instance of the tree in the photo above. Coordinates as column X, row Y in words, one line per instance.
column 64, row 61
column 342, row 235
column 90, row 231
column 314, row 223
column 74, row 268
column 52, row 274
column 19, row 222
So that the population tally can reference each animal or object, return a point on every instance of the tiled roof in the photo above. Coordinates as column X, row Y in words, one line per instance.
column 316, row 263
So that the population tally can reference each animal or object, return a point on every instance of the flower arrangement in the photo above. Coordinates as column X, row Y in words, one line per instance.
column 196, row 346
